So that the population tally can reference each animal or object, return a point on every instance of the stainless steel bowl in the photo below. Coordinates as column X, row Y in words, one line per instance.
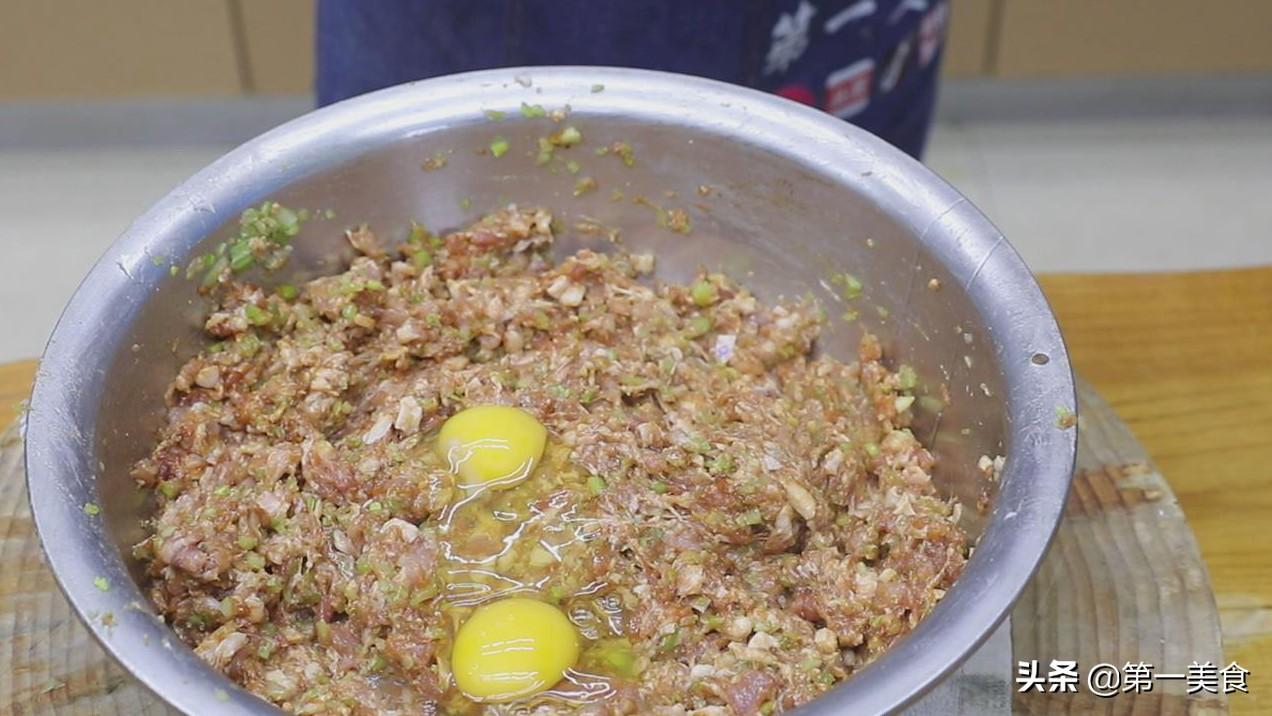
column 795, row 196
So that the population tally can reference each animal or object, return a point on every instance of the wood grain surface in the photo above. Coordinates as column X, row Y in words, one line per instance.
column 1123, row 583
column 1186, row 361
column 49, row 663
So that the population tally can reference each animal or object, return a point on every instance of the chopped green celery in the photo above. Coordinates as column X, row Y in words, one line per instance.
column 617, row 657
column 256, row 315
column 699, row 326
column 907, row 379
column 669, row 641
column 704, row 293
column 566, row 137
column 241, row 257
column 852, row 286
column 720, row 465
column 248, row 343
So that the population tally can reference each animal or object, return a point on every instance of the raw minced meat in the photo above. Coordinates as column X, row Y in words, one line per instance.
column 732, row 524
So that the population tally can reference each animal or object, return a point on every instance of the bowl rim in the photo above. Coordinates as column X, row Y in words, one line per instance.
column 1035, row 480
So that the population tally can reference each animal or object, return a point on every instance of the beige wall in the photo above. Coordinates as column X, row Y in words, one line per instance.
column 122, row 48
column 1085, row 38
column 279, row 40
column 113, row 48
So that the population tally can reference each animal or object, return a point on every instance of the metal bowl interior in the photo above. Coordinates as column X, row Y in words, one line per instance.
column 794, row 196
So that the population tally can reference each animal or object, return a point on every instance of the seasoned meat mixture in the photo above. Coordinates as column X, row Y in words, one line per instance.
column 730, row 524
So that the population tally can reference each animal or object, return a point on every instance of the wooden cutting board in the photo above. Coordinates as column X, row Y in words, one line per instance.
column 1124, row 582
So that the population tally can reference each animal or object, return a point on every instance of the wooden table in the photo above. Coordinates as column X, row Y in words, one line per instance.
column 1186, row 360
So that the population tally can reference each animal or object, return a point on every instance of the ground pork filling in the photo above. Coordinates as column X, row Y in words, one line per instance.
column 732, row 524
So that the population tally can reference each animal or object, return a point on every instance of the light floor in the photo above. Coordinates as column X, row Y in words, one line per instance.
column 1077, row 182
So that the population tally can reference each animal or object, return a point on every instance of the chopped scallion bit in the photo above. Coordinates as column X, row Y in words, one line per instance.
column 499, row 147
column 102, row 584
column 596, row 484
column 91, row 508
column 288, row 292
column 531, row 111
column 495, row 114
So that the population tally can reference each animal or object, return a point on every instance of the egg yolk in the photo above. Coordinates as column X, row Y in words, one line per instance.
column 513, row 648
column 491, row 444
